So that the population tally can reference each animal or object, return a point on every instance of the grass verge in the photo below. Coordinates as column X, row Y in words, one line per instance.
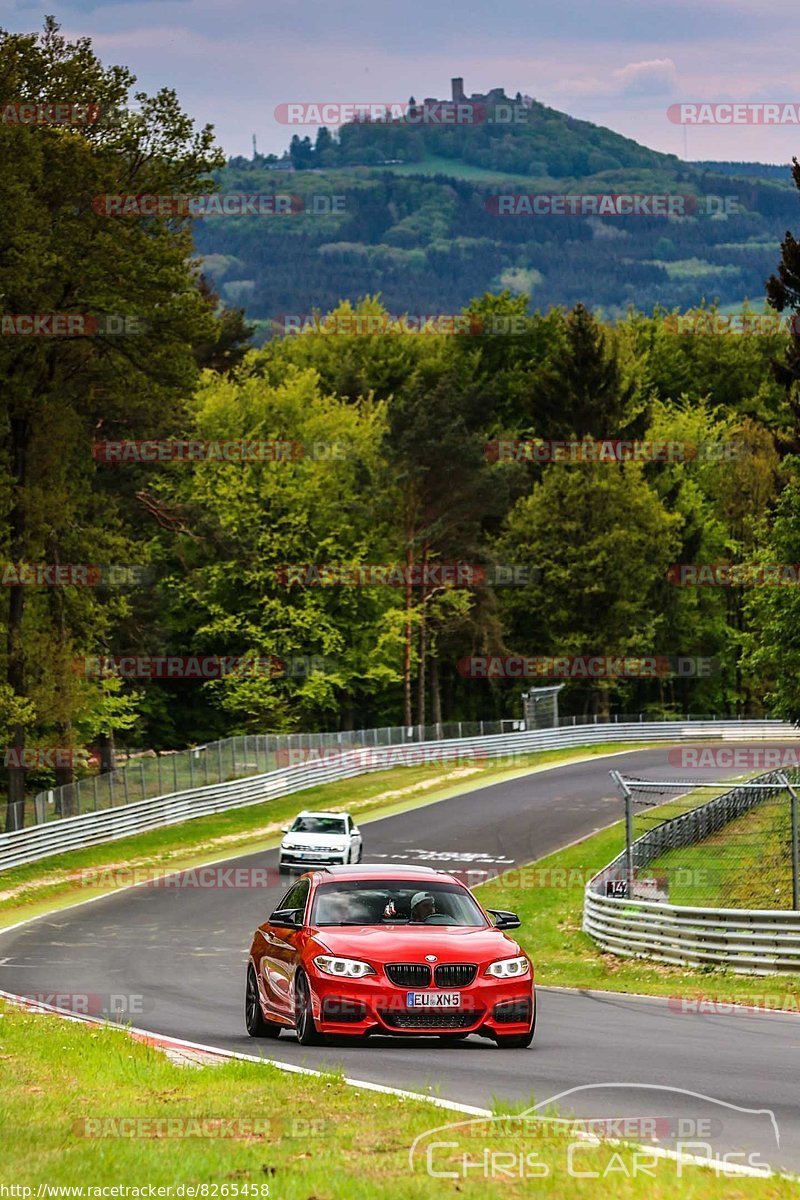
column 41, row 887
column 748, row 864
column 548, row 896
column 91, row 1108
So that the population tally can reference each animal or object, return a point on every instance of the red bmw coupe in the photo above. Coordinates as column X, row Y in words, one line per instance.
column 362, row 949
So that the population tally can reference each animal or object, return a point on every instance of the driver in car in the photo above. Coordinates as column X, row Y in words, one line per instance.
column 423, row 906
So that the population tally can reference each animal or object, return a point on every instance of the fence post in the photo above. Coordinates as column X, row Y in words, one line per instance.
column 219, row 755
column 615, row 775
column 144, row 785
column 795, row 872
column 175, row 771
column 125, row 777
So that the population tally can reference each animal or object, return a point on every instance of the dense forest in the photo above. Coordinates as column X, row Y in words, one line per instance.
column 415, row 452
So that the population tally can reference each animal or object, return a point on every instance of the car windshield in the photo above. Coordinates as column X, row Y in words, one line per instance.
column 318, row 825
column 388, row 902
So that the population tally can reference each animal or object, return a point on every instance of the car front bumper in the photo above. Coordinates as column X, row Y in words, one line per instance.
column 490, row 1007
column 305, row 859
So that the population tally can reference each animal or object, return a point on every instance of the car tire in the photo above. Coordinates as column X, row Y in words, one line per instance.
column 518, row 1041
column 307, row 1032
column 282, row 868
column 360, row 852
column 253, row 1016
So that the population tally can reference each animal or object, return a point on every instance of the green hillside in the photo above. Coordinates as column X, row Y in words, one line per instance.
column 418, row 221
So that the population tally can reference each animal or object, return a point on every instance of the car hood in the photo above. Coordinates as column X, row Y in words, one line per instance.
column 409, row 943
column 337, row 840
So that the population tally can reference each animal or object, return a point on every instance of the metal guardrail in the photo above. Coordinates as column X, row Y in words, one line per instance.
column 72, row 833
column 151, row 775
column 746, row 941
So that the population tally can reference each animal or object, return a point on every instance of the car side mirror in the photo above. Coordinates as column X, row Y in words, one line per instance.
column 286, row 916
column 284, row 828
column 504, row 919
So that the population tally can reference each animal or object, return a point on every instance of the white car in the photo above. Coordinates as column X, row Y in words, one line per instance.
column 317, row 839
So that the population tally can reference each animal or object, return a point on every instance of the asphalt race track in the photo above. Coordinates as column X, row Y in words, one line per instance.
column 182, row 950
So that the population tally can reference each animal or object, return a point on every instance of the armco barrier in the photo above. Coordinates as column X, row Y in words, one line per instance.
column 73, row 833
column 746, row 941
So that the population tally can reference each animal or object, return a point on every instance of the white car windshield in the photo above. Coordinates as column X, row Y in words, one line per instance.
column 318, row 825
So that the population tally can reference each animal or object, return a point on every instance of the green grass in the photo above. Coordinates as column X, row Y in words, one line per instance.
column 69, row 1091
column 42, row 886
column 456, row 169
column 748, row 864
column 548, row 896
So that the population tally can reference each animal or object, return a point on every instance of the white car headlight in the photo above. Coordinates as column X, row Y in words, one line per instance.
column 345, row 968
column 508, row 968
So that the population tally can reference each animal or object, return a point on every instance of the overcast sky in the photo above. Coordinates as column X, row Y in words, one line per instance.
column 619, row 63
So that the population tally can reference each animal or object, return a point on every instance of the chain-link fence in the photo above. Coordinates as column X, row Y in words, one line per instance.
column 149, row 774
column 736, row 850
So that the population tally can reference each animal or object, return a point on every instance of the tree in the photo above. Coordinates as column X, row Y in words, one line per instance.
column 224, row 589
column 583, row 390
column 783, row 291
column 603, row 542
column 772, row 645
column 60, row 252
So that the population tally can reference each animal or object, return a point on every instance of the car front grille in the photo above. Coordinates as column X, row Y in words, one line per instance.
column 416, row 975
column 425, row 1019
column 455, row 975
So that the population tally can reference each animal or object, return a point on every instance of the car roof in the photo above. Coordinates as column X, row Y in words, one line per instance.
column 381, row 871
column 320, row 812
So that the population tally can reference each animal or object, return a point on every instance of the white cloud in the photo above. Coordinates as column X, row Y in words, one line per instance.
column 653, row 77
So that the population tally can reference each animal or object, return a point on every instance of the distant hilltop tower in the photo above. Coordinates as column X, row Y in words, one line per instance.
column 495, row 96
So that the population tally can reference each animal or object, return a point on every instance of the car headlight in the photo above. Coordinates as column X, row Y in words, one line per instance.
column 345, row 968
column 508, row 968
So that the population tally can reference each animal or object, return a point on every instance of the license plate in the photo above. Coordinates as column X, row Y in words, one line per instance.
column 432, row 999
